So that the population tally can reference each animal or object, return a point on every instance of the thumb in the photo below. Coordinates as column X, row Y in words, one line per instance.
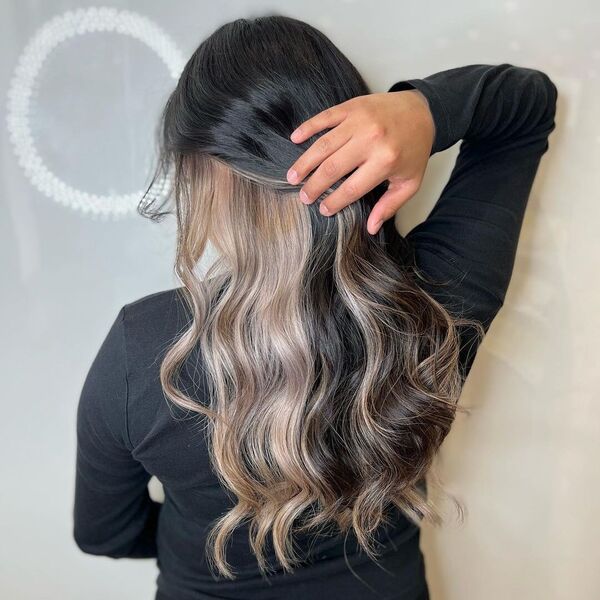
column 387, row 206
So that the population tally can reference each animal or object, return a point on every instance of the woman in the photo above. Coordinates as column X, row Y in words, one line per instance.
column 291, row 400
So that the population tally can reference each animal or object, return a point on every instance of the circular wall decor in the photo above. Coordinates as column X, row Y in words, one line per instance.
column 52, row 33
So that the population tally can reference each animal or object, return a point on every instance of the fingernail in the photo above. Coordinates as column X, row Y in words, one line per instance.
column 304, row 197
column 292, row 176
column 294, row 134
column 376, row 227
column 324, row 210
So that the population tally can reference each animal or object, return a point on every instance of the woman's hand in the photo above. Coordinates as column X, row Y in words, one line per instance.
column 383, row 136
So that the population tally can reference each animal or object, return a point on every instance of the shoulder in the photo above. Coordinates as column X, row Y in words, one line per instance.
column 154, row 303
column 150, row 325
column 126, row 364
column 152, row 319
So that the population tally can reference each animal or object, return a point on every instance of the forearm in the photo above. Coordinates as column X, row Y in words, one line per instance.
column 485, row 103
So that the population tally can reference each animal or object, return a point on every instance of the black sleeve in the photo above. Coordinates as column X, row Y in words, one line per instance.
column 504, row 115
column 113, row 514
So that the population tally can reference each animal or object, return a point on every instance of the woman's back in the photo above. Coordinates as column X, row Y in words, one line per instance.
column 127, row 431
column 169, row 444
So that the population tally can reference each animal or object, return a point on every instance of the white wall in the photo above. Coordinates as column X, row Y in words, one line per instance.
column 524, row 463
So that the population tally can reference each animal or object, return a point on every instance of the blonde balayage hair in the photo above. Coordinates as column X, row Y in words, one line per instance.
column 333, row 376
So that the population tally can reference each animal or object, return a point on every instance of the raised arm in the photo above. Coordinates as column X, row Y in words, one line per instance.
column 504, row 115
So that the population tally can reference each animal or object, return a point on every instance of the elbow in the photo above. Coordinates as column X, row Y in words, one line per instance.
column 549, row 94
column 542, row 93
column 86, row 545
column 96, row 547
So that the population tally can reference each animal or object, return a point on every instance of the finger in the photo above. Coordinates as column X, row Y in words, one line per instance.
column 326, row 119
column 350, row 156
column 364, row 179
column 389, row 204
column 326, row 145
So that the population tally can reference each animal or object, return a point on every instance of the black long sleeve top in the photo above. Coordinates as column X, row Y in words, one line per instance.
column 127, row 432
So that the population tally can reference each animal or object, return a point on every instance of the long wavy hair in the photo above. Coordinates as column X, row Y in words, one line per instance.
column 333, row 376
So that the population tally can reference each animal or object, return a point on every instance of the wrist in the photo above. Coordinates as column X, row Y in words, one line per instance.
column 427, row 116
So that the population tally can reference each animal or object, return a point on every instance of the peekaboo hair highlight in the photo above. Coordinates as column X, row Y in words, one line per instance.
column 332, row 376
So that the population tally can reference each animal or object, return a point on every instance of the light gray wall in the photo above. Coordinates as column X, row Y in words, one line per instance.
column 524, row 463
